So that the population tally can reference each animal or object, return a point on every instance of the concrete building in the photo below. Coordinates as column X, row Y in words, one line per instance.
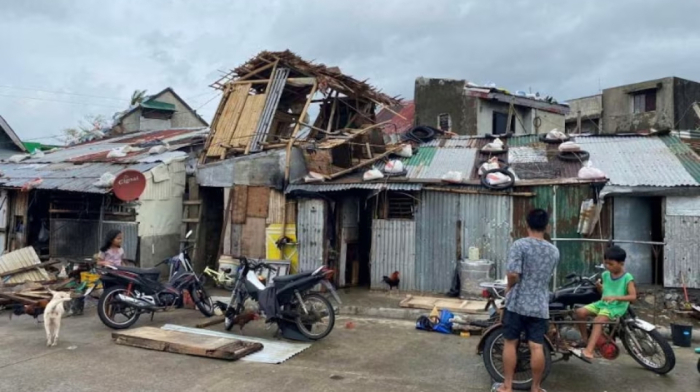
column 164, row 110
column 462, row 108
column 662, row 104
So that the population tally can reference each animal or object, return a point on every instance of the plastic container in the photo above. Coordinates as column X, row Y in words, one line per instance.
column 473, row 253
column 473, row 272
column 681, row 334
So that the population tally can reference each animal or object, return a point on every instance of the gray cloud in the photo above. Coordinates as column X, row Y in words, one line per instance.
column 108, row 49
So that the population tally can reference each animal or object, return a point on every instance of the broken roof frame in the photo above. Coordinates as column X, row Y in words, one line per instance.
column 266, row 100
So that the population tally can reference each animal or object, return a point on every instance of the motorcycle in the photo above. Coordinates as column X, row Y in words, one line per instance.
column 286, row 301
column 639, row 338
column 130, row 292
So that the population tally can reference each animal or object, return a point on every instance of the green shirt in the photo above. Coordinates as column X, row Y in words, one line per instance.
column 616, row 288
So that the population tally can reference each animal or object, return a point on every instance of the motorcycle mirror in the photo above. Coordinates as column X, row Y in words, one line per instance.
column 600, row 267
column 189, row 233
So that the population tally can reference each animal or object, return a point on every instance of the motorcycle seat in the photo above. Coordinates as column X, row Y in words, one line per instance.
column 290, row 278
column 140, row 271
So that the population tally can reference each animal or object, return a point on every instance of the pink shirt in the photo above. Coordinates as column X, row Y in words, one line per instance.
column 113, row 256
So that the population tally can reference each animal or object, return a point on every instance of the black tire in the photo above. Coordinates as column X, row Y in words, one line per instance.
column 102, row 311
column 304, row 328
column 543, row 139
column 229, row 315
column 573, row 156
column 501, row 152
column 503, row 136
column 492, row 343
column 663, row 344
column 202, row 300
column 421, row 134
column 499, row 187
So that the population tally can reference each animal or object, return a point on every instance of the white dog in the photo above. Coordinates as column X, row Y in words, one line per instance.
column 52, row 316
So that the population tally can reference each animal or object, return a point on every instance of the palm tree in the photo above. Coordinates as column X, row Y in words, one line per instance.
column 137, row 97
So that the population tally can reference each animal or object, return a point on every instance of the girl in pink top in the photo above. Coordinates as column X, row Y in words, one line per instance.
column 111, row 253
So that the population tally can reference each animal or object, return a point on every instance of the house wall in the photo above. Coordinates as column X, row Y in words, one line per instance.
column 633, row 222
column 485, row 110
column 311, row 226
column 618, row 102
column 685, row 93
column 682, row 230
column 183, row 116
column 591, row 112
column 160, row 213
column 131, row 122
column 437, row 96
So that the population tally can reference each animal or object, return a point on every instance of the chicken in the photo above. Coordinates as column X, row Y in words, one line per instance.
column 392, row 281
column 31, row 310
column 244, row 318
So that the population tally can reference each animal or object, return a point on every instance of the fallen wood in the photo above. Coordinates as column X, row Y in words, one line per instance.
column 451, row 304
column 210, row 322
column 365, row 163
column 29, row 268
column 18, row 299
column 186, row 343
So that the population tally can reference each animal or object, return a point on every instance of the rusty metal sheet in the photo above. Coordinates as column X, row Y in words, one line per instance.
column 393, row 249
column 258, row 201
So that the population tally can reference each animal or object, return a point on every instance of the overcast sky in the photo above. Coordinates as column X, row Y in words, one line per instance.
column 100, row 51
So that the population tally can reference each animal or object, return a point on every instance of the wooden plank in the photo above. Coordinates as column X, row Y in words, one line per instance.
column 228, row 121
column 18, row 299
column 258, row 201
column 365, row 163
column 240, row 204
column 253, row 238
column 192, row 202
column 29, row 268
column 186, row 343
column 245, row 130
column 451, row 304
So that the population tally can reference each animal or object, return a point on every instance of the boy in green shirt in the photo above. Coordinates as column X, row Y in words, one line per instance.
column 618, row 292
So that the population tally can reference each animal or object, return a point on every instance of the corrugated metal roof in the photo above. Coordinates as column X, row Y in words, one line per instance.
column 640, row 161
column 64, row 176
column 25, row 257
column 397, row 124
column 348, row 186
column 433, row 163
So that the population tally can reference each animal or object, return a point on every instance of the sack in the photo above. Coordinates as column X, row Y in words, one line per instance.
column 491, row 164
column 493, row 146
column 497, row 178
column 106, row 180
column 569, row 147
column 554, row 134
column 424, row 324
column 497, row 142
column 18, row 158
column 444, row 325
column 372, row 174
column 116, row 153
column 394, row 166
column 157, row 150
column 589, row 172
column 452, row 176
column 405, row 152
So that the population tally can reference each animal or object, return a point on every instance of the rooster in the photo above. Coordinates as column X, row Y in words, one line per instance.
column 242, row 319
column 392, row 281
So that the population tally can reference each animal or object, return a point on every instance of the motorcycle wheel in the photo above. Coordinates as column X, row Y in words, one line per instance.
column 316, row 303
column 202, row 300
column 650, row 339
column 230, row 316
column 108, row 307
column 493, row 361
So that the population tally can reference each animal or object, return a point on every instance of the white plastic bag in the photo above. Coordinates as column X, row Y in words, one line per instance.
column 106, row 180
column 491, row 164
column 157, row 150
column 569, row 147
column 589, row 172
column 38, row 153
column 405, row 152
column 116, row 153
column 394, row 166
column 372, row 174
column 497, row 178
column 555, row 134
column 493, row 146
column 497, row 142
column 452, row 176
column 18, row 158
column 314, row 177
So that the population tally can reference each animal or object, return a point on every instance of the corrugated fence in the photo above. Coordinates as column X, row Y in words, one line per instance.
column 394, row 249
column 311, row 223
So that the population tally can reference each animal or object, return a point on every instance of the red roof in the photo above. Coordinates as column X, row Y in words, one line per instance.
column 397, row 124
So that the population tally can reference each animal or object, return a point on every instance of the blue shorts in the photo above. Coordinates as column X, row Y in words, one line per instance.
column 514, row 325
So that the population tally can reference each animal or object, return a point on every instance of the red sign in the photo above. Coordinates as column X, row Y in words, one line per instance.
column 129, row 185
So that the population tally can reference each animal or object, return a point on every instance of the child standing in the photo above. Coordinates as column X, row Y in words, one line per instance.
column 618, row 292
column 111, row 253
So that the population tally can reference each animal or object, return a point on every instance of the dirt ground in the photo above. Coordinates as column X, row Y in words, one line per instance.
column 375, row 355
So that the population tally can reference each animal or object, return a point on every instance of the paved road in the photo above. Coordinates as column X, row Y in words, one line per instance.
column 377, row 355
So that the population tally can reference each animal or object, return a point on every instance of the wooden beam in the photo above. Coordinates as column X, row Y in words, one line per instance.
column 29, row 268
column 303, row 111
column 15, row 298
column 365, row 163
column 256, row 71
column 478, row 192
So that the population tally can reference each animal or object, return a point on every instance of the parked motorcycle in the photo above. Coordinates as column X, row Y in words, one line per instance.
column 639, row 338
column 286, row 301
column 130, row 292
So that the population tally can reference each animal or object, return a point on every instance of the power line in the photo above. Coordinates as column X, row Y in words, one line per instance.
column 64, row 93
column 56, row 100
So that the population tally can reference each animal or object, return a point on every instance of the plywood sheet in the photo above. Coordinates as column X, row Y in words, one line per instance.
column 240, row 204
column 186, row 343
column 258, row 201
column 236, row 239
column 452, row 304
column 279, row 205
column 253, row 238
column 223, row 130
column 249, row 120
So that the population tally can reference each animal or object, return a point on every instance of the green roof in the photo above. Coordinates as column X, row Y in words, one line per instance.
column 158, row 105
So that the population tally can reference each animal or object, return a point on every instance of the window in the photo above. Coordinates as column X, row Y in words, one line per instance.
column 444, row 122
column 644, row 101
column 396, row 205
column 499, row 123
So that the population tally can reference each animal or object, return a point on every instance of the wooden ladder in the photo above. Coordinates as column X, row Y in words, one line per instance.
column 191, row 217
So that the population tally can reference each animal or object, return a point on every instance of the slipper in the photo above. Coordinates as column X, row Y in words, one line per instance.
column 496, row 386
column 579, row 354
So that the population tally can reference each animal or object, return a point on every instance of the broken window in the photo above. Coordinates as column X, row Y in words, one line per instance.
column 500, row 121
column 396, row 205
column 444, row 122
column 644, row 101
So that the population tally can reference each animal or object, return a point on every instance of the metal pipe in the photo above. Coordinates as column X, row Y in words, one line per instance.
column 554, row 232
column 613, row 241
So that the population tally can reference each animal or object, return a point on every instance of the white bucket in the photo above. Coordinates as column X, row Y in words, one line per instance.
column 471, row 273
column 473, row 253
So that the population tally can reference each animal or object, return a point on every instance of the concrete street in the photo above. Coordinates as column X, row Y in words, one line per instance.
column 377, row 355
